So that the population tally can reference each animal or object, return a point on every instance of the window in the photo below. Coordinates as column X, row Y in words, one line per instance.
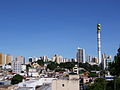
column 63, row 85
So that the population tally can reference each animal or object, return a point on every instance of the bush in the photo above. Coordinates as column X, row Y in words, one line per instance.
column 16, row 79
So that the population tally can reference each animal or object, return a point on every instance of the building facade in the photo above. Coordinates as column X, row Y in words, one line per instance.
column 2, row 59
column 80, row 56
column 9, row 59
column 16, row 66
column 5, row 59
column 57, row 58
column 65, row 85
column 106, row 60
column 20, row 58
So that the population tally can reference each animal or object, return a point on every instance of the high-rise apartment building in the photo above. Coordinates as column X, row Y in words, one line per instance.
column 2, row 59
column 95, row 60
column 106, row 60
column 20, row 58
column 57, row 58
column 5, row 59
column 16, row 66
column 8, row 59
column 33, row 59
column 44, row 58
column 80, row 56
column 54, row 58
column 88, row 58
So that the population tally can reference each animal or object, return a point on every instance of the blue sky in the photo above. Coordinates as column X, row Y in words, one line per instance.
column 46, row 27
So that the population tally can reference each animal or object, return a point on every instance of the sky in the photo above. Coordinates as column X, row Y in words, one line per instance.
column 48, row 27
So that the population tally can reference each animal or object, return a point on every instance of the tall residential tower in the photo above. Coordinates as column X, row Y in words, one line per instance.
column 98, row 43
column 80, row 56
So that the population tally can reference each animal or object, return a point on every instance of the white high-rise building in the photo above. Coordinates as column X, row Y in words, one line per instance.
column 106, row 60
column 20, row 58
column 58, row 59
column 80, row 56
column 88, row 58
column 16, row 66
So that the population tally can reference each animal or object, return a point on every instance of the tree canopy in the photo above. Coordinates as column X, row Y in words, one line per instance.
column 89, row 67
column 16, row 79
column 67, row 65
column 114, row 67
column 102, row 84
column 52, row 65
column 98, row 84
column 40, row 62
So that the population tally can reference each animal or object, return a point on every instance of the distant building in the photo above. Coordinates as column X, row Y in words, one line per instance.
column 106, row 60
column 57, row 58
column 80, row 56
column 5, row 59
column 9, row 58
column 65, row 60
column 20, row 58
column 54, row 58
column 32, row 59
column 16, row 66
column 72, row 60
column 44, row 58
column 88, row 58
column 2, row 59
column 95, row 60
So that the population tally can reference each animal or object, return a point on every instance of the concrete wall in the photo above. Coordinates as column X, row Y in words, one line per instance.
column 73, row 76
column 65, row 85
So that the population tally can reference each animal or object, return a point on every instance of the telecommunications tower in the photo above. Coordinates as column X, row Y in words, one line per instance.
column 99, row 43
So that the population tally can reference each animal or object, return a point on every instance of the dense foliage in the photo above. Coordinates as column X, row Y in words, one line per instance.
column 70, row 65
column 98, row 85
column 102, row 84
column 52, row 65
column 59, row 69
column 67, row 65
column 89, row 67
column 40, row 62
column 114, row 67
column 16, row 79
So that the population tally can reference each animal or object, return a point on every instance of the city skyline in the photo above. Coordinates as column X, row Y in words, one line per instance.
column 38, row 28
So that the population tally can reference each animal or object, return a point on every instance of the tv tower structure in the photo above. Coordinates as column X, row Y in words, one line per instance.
column 99, row 43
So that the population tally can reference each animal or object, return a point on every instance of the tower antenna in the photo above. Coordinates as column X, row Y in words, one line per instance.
column 99, row 42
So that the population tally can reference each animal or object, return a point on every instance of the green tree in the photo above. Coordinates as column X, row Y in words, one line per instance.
column 98, row 84
column 89, row 67
column 93, row 74
column 103, row 72
column 81, row 71
column 52, row 65
column 114, row 67
column 16, row 79
column 27, row 69
column 40, row 62
column 113, row 84
column 59, row 69
column 67, row 65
